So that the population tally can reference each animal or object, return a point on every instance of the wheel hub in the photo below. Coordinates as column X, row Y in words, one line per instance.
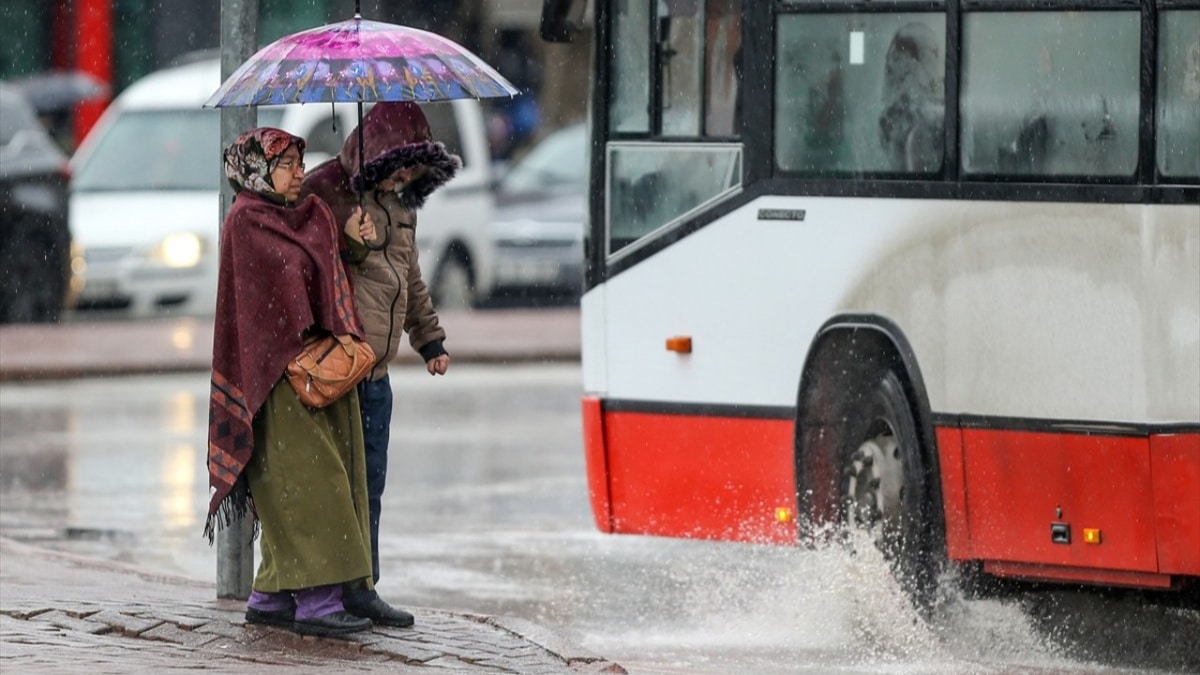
column 875, row 484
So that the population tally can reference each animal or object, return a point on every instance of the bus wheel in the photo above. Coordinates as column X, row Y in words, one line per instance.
column 886, row 485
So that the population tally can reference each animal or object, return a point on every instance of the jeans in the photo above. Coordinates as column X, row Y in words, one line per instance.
column 375, row 401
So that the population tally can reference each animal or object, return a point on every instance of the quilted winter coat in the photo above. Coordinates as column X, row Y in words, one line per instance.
column 391, row 294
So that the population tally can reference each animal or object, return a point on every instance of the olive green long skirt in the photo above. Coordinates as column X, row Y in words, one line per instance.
column 308, row 478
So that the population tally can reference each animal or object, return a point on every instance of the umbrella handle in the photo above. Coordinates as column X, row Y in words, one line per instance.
column 387, row 231
column 362, row 193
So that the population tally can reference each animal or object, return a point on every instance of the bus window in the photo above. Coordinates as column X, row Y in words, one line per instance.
column 1050, row 93
column 629, row 108
column 1179, row 94
column 654, row 185
column 860, row 93
column 722, row 113
column 687, row 52
column 681, row 44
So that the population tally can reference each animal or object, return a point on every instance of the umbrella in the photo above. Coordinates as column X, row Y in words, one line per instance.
column 360, row 61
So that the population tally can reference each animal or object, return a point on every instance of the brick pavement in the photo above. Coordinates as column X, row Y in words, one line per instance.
column 66, row 614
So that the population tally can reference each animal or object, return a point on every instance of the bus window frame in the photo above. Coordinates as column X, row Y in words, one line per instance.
column 898, row 7
column 1159, row 177
column 648, row 238
column 605, row 27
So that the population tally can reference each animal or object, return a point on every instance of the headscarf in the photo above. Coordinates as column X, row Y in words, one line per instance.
column 250, row 159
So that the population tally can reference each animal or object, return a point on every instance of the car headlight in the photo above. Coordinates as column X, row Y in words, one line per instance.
column 182, row 249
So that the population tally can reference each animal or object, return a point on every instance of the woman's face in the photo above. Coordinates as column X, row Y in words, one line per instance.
column 288, row 173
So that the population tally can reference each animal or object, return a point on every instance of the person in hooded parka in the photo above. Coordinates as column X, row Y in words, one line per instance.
column 399, row 166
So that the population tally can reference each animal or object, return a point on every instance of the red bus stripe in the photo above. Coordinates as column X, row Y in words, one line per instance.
column 954, row 492
column 1175, row 465
column 1007, row 494
column 701, row 477
column 1032, row 572
column 596, row 460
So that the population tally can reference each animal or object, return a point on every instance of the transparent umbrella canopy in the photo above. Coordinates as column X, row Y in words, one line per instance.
column 360, row 61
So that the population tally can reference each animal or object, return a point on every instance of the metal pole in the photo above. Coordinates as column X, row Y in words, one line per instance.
column 239, row 22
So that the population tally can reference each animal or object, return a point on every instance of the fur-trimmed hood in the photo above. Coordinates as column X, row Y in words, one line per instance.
column 396, row 135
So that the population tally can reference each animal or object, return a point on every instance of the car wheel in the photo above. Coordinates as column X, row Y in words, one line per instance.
column 873, row 478
column 452, row 287
column 33, row 285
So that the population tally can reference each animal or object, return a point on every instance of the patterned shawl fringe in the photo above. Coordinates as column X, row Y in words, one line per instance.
column 236, row 505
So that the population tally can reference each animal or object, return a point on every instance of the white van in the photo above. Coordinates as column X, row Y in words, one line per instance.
column 145, row 208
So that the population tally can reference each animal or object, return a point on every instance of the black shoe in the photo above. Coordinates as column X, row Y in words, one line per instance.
column 330, row 625
column 380, row 613
column 279, row 617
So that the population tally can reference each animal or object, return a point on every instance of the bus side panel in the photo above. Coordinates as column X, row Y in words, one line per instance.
column 1175, row 460
column 595, row 457
column 1017, row 482
column 954, row 492
column 702, row 477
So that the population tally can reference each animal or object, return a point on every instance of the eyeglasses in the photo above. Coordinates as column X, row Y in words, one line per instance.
column 289, row 165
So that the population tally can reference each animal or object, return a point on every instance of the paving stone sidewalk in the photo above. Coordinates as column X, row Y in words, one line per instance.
column 66, row 614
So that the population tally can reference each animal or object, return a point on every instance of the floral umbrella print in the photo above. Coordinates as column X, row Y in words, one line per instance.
column 360, row 61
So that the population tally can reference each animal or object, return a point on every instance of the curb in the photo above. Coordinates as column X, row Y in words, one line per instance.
column 160, row 346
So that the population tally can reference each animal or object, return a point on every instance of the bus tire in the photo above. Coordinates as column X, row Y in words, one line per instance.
column 872, row 474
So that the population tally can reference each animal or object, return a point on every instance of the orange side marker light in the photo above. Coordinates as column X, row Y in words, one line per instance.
column 680, row 343
column 783, row 514
column 1091, row 535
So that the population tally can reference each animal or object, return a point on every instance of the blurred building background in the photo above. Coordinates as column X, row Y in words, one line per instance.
column 119, row 41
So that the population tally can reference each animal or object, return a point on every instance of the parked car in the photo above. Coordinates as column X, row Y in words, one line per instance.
column 537, row 232
column 35, row 239
column 145, row 207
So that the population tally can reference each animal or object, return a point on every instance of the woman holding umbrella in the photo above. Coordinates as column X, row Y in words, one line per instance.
column 300, row 471
column 397, row 168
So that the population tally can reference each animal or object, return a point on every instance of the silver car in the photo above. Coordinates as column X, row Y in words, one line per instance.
column 537, row 232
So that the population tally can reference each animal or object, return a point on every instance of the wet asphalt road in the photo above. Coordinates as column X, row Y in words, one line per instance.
column 486, row 511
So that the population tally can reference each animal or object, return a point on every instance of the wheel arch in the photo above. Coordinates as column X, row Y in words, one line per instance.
column 847, row 349
column 465, row 294
column 459, row 249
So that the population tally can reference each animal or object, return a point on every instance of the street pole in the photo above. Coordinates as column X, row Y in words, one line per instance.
column 239, row 22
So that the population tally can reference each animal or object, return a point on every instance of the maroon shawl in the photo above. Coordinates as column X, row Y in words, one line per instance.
column 280, row 276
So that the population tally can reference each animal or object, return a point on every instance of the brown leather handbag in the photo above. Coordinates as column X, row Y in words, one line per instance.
column 327, row 367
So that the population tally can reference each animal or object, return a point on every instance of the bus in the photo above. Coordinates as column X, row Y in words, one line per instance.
column 926, row 271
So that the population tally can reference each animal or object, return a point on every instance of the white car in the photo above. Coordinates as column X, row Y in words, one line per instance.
column 145, row 209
